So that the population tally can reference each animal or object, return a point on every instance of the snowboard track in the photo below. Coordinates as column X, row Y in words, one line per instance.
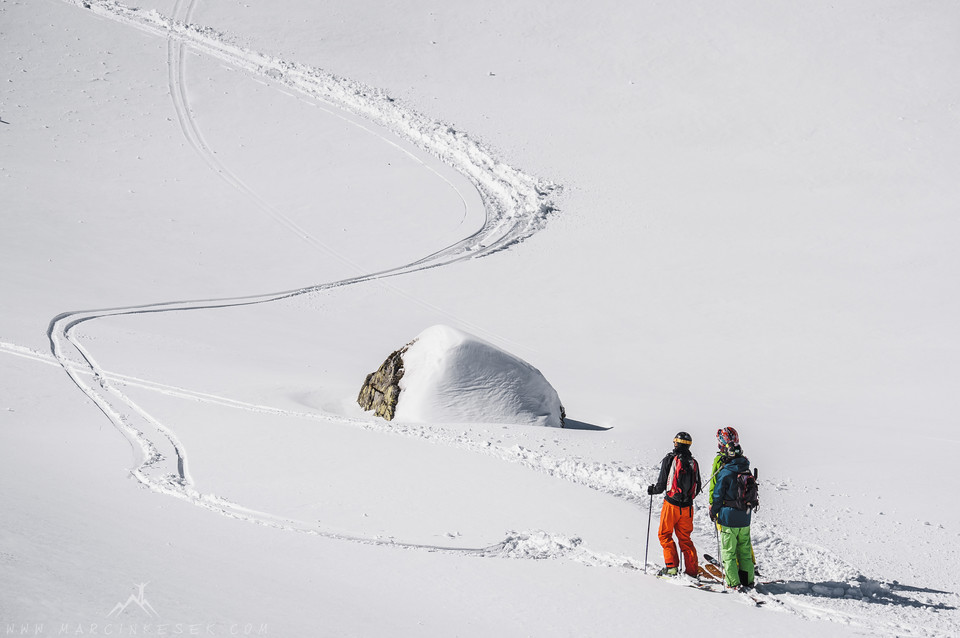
column 516, row 206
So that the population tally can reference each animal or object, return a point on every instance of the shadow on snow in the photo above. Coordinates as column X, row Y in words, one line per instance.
column 864, row 589
column 570, row 424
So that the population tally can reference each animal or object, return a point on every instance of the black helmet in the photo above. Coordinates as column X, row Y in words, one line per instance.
column 682, row 438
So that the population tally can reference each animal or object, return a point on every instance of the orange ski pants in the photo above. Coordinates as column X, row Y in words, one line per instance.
column 679, row 520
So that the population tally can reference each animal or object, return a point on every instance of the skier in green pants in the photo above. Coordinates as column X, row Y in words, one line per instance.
column 725, row 436
column 732, row 516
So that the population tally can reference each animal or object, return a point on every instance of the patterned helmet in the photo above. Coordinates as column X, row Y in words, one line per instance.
column 727, row 436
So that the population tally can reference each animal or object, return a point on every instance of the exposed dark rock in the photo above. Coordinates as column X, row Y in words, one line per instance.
column 452, row 377
column 381, row 389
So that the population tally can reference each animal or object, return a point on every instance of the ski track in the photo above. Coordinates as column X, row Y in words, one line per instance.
column 516, row 206
column 845, row 600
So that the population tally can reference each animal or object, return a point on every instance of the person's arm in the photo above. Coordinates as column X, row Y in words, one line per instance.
column 661, row 484
column 717, row 502
column 699, row 483
column 717, row 464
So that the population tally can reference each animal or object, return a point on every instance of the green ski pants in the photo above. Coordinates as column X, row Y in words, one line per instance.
column 736, row 553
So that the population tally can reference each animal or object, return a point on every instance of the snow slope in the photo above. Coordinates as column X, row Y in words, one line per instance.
column 209, row 207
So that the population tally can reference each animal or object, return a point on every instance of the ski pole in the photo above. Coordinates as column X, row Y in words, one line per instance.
column 716, row 529
column 649, row 518
column 753, row 556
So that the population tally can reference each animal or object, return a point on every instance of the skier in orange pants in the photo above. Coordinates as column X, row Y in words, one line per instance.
column 680, row 478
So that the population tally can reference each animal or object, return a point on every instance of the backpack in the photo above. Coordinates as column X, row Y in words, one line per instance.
column 683, row 486
column 747, row 496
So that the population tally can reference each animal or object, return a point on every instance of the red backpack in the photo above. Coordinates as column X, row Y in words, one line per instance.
column 683, row 485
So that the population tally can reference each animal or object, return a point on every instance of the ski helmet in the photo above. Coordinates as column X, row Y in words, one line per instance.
column 682, row 438
column 727, row 436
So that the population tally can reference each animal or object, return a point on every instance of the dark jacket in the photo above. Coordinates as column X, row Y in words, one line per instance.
column 726, row 492
column 666, row 471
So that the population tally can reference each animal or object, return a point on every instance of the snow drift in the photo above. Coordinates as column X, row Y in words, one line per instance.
column 450, row 376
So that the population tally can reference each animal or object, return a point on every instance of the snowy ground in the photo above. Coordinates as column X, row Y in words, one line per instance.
column 219, row 217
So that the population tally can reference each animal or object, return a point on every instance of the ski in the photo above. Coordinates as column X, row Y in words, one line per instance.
column 712, row 560
column 689, row 581
column 706, row 581
column 715, row 563
column 746, row 593
column 710, row 572
column 758, row 602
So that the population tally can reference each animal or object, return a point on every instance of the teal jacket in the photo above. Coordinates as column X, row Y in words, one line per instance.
column 726, row 490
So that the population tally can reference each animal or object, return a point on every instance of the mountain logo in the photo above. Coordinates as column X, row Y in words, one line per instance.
column 139, row 600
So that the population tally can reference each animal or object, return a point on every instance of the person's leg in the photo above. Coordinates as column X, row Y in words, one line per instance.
column 684, row 529
column 668, row 520
column 745, row 556
column 728, row 555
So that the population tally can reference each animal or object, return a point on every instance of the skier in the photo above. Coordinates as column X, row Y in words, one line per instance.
column 725, row 436
column 680, row 472
column 732, row 517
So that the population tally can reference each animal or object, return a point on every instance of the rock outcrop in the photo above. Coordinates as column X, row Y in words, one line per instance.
column 381, row 390
column 448, row 376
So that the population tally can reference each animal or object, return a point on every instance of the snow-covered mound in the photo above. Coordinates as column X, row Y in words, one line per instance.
column 450, row 376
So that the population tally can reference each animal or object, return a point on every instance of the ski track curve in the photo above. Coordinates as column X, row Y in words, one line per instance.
column 176, row 81
column 181, row 15
column 516, row 206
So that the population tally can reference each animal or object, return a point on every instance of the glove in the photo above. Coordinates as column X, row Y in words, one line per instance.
column 713, row 516
column 652, row 490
